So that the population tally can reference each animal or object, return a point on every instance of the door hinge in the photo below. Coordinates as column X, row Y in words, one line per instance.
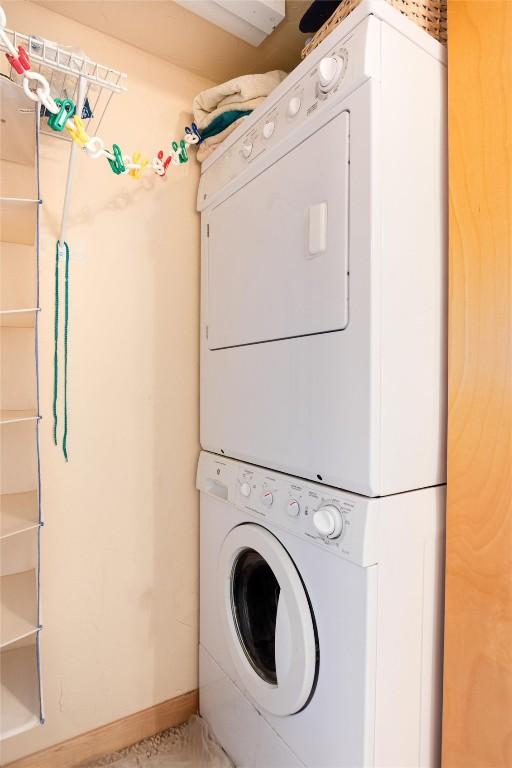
column 207, row 230
column 206, row 331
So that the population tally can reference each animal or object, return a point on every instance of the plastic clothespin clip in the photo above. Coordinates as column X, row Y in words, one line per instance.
column 66, row 111
column 136, row 173
column 77, row 131
column 21, row 62
column 192, row 135
column 183, row 156
column 165, row 163
column 179, row 152
column 117, row 164
column 157, row 164
column 174, row 154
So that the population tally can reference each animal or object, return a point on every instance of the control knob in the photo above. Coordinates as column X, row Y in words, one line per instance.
column 267, row 498
column 329, row 72
column 293, row 508
column 247, row 149
column 328, row 521
column 245, row 489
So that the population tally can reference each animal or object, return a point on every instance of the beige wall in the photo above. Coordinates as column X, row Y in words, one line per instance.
column 119, row 548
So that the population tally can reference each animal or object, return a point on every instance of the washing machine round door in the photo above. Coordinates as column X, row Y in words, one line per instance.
column 269, row 625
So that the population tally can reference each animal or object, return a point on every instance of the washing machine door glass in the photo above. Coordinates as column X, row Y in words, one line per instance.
column 269, row 625
column 254, row 601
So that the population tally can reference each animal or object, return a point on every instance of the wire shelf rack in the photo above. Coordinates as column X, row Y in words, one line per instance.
column 71, row 74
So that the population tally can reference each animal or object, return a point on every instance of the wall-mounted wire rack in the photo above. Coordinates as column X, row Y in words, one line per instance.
column 71, row 74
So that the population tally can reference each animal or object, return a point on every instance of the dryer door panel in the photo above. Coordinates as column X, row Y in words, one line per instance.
column 278, row 247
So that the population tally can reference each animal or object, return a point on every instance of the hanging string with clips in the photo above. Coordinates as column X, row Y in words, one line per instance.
column 63, row 117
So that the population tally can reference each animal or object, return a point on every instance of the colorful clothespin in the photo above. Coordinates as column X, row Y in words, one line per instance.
column 136, row 158
column 174, row 155
column 77, row 131
column 21, row 62
column 183, row 156
column 192, row 135
column 167, row 160
column 117, row 164
column 66, row 111
column 160, row 165
column 157, row 165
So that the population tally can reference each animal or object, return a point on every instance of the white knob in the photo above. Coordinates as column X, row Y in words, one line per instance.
column 293, row 507
column 328, row 521
column 294, row 106
column 247, row 149
column 245, row 489
column 329, row 72
column 268, row 129
column 267, row 498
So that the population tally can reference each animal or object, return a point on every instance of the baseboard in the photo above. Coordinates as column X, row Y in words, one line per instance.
column 113, row 736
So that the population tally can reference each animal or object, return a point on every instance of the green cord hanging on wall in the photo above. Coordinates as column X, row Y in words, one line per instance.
column 56, row 348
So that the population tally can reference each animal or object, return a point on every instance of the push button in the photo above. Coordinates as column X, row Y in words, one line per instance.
column 268, row 129
column 294, row 106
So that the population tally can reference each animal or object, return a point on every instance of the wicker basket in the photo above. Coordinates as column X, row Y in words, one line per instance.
column 430, row 15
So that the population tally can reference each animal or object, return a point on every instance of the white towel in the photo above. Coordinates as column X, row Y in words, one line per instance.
column 210, row 144
column 239, row 93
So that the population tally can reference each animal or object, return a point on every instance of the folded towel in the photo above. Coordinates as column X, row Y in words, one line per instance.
column 239, row 93
column 210, row 144
column 222, row 121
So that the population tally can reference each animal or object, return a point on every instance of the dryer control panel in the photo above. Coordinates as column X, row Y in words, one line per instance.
column 313, row 87
column 343, row 523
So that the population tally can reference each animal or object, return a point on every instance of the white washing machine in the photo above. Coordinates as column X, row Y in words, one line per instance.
column 321, row 621
column 324, row 266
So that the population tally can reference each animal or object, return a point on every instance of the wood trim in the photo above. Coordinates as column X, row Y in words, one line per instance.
column 477, row 716
column 113, row 736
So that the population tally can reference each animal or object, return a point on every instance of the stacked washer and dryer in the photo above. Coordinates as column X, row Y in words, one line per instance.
column 323, row 355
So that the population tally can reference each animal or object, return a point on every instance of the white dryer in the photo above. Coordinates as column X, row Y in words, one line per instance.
column 321, row 621
column 324, row 266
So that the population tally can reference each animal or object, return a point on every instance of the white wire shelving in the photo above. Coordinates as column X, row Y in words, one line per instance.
column 71, row 74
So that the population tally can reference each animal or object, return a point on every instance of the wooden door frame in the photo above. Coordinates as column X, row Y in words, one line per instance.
column 477, row 712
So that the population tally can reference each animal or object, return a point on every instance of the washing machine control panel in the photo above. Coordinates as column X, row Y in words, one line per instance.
column 312, row 88
column 334, row 520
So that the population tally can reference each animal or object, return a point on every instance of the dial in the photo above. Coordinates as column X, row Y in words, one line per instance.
column 329, row 72
column 245, row 489
column 247, row 149
column 328, row 521
column 268, row 129
column 293, row 508
column 267, row 498
column 294, row 106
